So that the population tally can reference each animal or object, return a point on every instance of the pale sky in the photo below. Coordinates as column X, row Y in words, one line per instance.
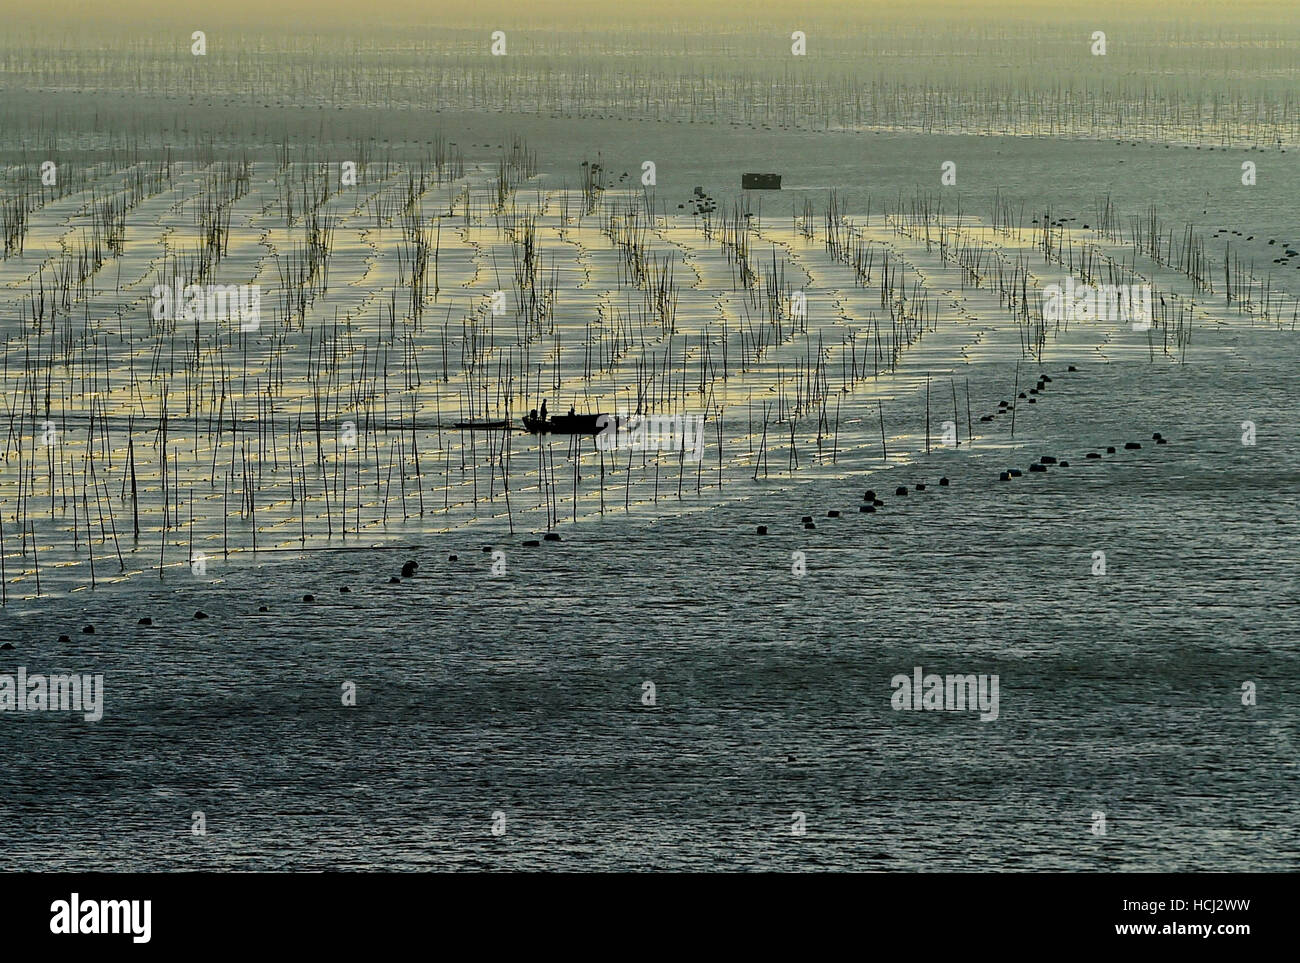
column 604, row 14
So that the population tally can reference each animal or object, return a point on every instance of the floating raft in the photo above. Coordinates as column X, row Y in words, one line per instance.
column 502, row 425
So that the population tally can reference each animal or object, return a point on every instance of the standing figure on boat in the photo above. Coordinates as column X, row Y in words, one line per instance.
column 543, row 409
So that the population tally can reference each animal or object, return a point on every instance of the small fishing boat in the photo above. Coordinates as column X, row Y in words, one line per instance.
column 566, row 424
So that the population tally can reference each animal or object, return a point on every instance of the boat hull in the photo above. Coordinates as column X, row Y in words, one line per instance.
column 566, row 424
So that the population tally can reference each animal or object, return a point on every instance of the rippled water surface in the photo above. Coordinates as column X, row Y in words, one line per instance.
column 523, row 694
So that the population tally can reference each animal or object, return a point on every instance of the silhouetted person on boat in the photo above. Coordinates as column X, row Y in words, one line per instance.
column 543, row 409
column 532, row 415
column 570, row 411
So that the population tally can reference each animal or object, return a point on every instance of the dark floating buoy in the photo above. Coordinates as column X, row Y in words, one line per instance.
column 1162, row 441
column 986, row 417
column 1005, row 476
column 1015, row 472
column 486, row 548
column 866, row 508
column 1033, row 401
column 1037, row 467
column 944, row 481
column 1110, row 449
column 200, row 614
column 1092, row 454
column 1065, row 464
column 1021, row 395
column 1003, row 404
column 532, row 543
column 552, row 536
column 920, row 486
column 1048, row 459
column 452, row 558
column 809, row 525
column 762, row 529
column 1131, row 445
column 7, row 647
column 1048, row 378
column 88, row 630
column 309, row 597
column 408, row 569
column 806, row 519
column 260, row 608
column 1033, row 391
column 878, row 503
column 394, row 580
column 344, row 588
column 900, row 490
column 833, row 514
column 145, row 621
column 1073, row 368
column 1156, row 436
column 870, row 496
column 64, row 638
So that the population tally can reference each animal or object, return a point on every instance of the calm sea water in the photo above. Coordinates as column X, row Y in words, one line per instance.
column 523, row 695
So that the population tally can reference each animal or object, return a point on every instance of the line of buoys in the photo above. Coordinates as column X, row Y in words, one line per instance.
column 871, row 502
column 1045, row 460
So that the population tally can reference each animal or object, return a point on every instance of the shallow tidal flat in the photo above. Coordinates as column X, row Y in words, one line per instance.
column 331, row 423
